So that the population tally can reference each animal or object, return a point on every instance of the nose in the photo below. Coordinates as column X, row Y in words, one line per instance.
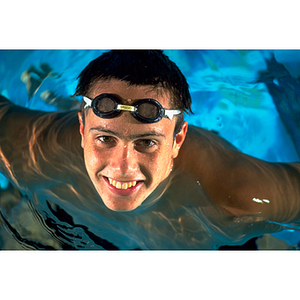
column 124, row 160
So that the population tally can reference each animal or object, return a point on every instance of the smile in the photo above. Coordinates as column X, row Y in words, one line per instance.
column 122, row 185
column 122, row 188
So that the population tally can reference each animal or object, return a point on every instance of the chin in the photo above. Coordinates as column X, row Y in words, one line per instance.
column 121, row 205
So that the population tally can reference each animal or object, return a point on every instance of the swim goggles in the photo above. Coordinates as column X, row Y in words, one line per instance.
column 145, row 110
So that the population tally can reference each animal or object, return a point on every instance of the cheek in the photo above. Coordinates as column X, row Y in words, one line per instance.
column 162, row 165
column 92, row 156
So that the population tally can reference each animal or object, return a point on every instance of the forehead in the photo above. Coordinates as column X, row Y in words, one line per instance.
column 127, row 127
column 130, row 92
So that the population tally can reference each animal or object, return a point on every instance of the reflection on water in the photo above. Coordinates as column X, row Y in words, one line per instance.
column 58, row 211
column 29, row 224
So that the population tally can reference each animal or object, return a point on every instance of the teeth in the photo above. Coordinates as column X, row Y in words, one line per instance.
column 120, row 185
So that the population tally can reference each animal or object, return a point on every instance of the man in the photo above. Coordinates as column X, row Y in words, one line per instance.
column 143, row 179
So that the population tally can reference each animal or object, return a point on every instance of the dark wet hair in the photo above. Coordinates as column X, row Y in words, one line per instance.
column 139, row 67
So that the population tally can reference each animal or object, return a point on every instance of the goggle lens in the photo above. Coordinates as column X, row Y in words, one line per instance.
column 105, row 105
column 148, row 110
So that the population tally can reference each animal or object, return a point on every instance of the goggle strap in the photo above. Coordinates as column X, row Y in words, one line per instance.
column 87, row 101
column 170, row 113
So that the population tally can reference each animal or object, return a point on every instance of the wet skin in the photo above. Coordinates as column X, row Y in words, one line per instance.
column 126, row 159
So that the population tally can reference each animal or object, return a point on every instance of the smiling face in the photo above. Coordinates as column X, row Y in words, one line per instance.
column 126, row 159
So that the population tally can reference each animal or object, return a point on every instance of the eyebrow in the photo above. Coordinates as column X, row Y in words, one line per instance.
column 131, row 137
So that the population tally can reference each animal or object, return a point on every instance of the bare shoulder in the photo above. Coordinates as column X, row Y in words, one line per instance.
column 32, row 142
column 203, row 147
column 239, row 183
column 200, row 137
column 207, row 158
column 18, row 123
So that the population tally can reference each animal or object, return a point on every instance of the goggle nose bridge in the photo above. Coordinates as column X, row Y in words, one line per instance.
column 126, row 107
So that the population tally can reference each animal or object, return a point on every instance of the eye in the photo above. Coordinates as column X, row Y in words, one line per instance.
column 106, row 140
column 146, row 145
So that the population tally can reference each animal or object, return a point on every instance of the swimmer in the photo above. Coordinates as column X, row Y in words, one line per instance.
column 128, row 169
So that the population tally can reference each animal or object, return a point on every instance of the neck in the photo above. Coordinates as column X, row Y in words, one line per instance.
column 157, row 194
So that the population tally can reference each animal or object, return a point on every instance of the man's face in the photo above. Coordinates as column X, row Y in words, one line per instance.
column 126, row 159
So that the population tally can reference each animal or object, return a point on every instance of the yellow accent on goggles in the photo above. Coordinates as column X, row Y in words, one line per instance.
column 125, row 107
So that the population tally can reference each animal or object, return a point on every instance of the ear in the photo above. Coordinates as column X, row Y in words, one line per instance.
column 179, row 139
column 81, row 128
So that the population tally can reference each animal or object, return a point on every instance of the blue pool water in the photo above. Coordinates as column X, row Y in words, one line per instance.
column 240, row 94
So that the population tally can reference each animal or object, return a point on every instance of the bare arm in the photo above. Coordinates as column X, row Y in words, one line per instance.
column 241, row 184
